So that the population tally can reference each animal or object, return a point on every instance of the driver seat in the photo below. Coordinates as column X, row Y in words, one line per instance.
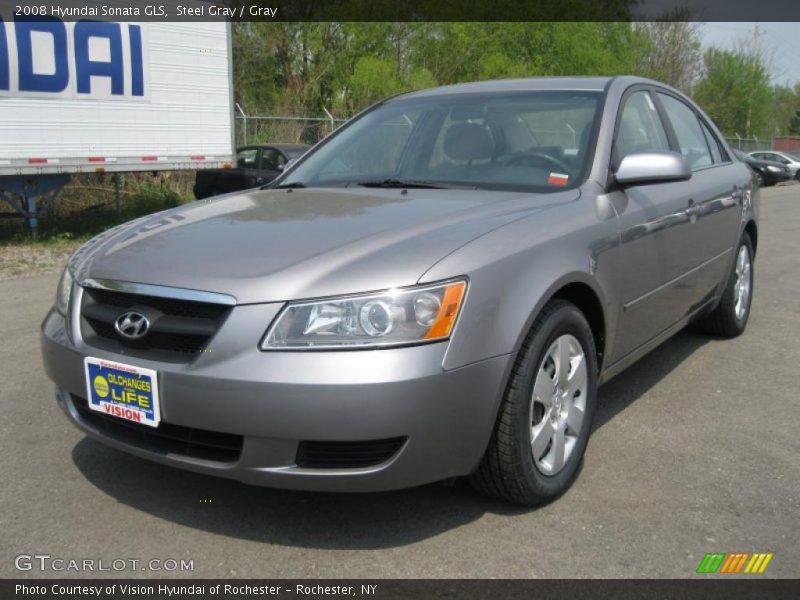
column 468, row 142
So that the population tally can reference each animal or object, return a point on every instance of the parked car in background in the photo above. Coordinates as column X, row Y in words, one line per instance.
column 255, row 165
column 791, row 161
column 436, row 290
column 767, row 172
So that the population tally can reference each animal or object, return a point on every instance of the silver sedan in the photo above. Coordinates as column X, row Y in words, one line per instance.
column 435, row 290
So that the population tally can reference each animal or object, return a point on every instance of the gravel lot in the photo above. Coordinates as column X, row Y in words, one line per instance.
column 695, row 450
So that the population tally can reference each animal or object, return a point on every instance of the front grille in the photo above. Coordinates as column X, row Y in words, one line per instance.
column 179, row 329
column 166, row 438
column 347, row 455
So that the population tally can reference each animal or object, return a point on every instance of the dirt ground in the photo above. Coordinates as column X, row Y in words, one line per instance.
column 25, row 260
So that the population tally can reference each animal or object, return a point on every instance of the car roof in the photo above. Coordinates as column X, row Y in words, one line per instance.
column 279, row 146
column 781, row 152
column 594, row 84
column 755, row 161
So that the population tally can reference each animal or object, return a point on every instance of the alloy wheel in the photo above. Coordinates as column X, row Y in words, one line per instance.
column 741, row 289
column 558, row 404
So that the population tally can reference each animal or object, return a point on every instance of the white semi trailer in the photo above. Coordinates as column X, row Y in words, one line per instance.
column 78, row 97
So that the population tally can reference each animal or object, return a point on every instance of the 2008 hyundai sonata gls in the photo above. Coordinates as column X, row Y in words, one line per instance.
column 435, row 290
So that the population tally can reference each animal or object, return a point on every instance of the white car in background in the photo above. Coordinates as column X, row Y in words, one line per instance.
column 792, row 161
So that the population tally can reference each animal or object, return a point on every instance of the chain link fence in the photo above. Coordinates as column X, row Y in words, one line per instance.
column 749, row 144
column 265, row 129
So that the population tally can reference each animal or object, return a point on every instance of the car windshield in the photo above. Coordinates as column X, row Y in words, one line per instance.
column 294, row 152
column 521, row 140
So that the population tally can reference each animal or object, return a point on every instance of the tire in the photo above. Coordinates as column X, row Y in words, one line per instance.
column 759, row 179
column 509, row 470
column 729, row 318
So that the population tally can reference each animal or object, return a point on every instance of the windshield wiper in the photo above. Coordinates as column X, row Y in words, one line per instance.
column 285, row 186
column 402, row 183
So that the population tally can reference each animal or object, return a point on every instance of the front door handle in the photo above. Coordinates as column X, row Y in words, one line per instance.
column 692, row 210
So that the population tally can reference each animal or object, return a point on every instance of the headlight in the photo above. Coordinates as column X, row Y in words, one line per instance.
column 392, row 318
column 772, row 169
column 64, row 292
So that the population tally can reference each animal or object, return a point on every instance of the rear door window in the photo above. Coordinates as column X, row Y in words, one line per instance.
column 270, row 159
column 692, row 141
column 713, row 144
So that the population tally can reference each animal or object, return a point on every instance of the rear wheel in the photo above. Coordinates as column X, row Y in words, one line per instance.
column 546, row 416
column 730, row 317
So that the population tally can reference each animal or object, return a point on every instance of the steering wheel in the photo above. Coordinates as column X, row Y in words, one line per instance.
column 539, row 157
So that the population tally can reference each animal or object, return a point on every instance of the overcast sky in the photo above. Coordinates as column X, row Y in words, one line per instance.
column 780, row 43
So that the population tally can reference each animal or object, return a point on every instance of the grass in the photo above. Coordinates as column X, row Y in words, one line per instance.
column 85, row 208
column 24, row 260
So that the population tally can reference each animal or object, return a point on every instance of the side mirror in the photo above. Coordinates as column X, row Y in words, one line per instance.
column 652, row 167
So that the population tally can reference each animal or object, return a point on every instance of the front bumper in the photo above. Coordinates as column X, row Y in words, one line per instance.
column 276, row 400
column 772, row 178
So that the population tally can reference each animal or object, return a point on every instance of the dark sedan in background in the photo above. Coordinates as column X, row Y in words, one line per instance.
column 790, row 160
column 255, row 165
column 767, row 172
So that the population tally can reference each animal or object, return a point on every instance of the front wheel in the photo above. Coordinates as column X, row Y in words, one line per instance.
column 730, row 317
column 545, row 419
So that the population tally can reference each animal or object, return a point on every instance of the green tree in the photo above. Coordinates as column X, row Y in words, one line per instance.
column 372, row 79
column 785, row 108
column 305, row 68
column 455, row 52
column 735, row 91
column 794, row 121
column 670, row 50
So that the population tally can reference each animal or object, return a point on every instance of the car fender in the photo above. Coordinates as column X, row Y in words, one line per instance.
column 516, row 269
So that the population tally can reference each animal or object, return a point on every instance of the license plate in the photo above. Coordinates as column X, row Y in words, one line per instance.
column 122, row 391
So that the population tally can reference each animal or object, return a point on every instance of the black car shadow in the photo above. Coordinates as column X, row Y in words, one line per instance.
column 324, row 520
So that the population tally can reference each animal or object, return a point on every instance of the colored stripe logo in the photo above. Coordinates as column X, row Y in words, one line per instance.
column 735, row 563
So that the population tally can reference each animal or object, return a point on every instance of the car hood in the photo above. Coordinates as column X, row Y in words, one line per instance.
column 276, row 245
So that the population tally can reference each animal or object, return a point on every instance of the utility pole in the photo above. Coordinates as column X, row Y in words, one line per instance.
column 756, row 46
column 755, row 57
